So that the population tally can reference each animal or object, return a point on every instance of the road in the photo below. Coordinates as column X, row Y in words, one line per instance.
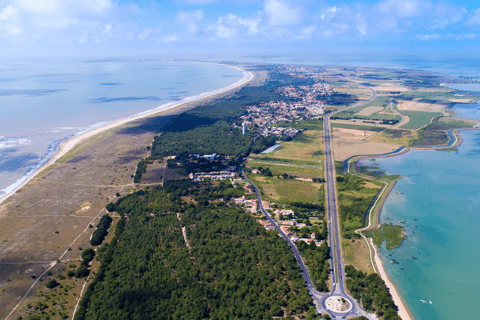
column 338, row 269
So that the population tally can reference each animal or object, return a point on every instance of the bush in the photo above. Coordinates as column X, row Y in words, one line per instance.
column 52, row 284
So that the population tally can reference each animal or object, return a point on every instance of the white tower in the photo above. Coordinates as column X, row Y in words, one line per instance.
column 244, row 128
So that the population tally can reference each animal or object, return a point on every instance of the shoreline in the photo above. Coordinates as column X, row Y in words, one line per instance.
column 403, row 310
column 69, row 144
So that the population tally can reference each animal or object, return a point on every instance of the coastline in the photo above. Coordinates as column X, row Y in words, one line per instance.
column 376, row 261
column 403, row 311
column 68, row 145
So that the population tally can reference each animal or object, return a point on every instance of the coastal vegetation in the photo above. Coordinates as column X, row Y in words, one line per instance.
column 234, row 267
column 393, row 235
column 355, row 194
column 372, row 292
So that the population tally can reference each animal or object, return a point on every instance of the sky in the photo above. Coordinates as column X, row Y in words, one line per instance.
column 186, row 28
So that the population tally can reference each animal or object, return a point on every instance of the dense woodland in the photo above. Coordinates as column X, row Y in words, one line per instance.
column 235, row 269
column 372, row 292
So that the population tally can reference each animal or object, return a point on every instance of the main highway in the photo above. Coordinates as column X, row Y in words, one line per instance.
column 338, row 270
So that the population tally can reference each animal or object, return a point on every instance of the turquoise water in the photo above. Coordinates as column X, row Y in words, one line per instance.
column 45, row 102
column 438, row 202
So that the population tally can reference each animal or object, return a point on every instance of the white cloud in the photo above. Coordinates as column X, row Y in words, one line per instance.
column 59, row 7
column 281, row 13
column 404, row 8
column 190, row 19
column 428, row 37
column 230, row 26
column 170, row 38
column 330, row 12
column 474, row 19
column 307, row 32
column 107, row 29
column 147, row 32
column 10, row 24
column 361, row 25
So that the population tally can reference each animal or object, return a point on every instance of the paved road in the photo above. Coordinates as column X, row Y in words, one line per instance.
column 338, row 268
column 337, row 265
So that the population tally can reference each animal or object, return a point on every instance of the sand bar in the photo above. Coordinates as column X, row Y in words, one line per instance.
column 69, row 144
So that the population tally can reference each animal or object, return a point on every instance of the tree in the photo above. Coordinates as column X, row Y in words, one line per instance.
column 110, row 207
column 82, row 272
column 88, row 255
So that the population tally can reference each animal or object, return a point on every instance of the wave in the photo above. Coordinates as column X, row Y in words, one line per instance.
column 51, row 150
column 6, row 142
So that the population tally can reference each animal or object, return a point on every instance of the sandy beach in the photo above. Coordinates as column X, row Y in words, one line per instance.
column 402, row 309
column 69, row 144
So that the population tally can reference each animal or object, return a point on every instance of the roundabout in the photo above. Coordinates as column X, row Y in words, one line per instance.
column 338, row 304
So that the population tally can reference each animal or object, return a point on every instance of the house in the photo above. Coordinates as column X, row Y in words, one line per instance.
column 294, row 238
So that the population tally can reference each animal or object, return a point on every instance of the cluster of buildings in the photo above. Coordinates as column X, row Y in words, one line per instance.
column 286, row 230
column 214, row 175
column 311, row 104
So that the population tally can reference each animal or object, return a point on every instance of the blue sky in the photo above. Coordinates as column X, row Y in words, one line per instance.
column 211, row 27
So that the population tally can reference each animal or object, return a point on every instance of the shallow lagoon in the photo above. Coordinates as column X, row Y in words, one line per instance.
column 438, row 202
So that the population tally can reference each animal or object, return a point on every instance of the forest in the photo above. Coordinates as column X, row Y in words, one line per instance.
column 234, row 269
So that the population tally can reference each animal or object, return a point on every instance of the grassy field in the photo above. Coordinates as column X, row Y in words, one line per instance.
column 307, row 146
column 356, row 127
column 354, row 197
column 288, row 190
column 418, row 118
column 355, row 252
column 395, row 136
column 301, row 171
column 447, row 123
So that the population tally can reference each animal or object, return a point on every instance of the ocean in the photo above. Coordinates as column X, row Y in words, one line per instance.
column 438, row 203
column 44, row 102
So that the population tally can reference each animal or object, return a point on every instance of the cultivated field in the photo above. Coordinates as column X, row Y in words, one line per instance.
column 348, row 143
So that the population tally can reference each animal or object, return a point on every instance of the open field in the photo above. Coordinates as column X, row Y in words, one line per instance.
column 347, row 143
column 418, row 119
column 55, row 202
column 417, row 105
column 307, row 146
column 288, row 190
column 291, row 169
column 369, row 111
column 389, row 87
column 396, row 136
column 349, row 125
column 355, row 252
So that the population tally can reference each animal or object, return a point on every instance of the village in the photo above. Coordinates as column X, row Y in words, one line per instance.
column 311, row 101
